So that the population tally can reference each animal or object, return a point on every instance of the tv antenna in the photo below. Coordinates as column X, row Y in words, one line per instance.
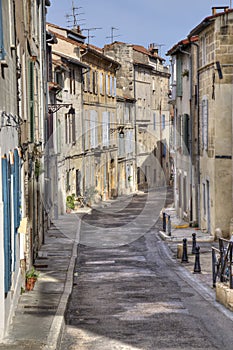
column 88, row 33
column 74, row 16
column 159, row 46
column 112, row 36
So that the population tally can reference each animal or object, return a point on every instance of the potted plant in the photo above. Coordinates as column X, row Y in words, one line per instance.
column 70, row 203
column 31, row 277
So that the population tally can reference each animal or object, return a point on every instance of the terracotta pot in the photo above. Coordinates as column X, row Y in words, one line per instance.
column 30, row 282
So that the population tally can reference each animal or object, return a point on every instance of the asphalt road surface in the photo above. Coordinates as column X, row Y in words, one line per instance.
column 128, row 294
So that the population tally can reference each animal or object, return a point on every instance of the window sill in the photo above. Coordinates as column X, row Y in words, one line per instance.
column 3, row 63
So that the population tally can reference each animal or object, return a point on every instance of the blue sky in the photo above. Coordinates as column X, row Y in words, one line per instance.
column 164, row 22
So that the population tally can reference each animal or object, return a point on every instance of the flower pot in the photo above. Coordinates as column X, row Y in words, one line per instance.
column 30, row 282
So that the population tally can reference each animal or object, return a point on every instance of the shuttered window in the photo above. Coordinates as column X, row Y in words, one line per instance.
column 205, row 123
column 93, row 129
column 186, row 133
column 179, row 88
column 6, row 188
column 105, row 128
column 101, row 83
column 114, row 87
column 31, row 98
column 2, row 50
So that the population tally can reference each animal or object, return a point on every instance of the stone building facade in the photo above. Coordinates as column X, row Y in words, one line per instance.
column 208, row 52
column 22, row 109
column 144, row 79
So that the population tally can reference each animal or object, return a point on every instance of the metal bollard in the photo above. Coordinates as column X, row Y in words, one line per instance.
column 164, row 222
column 197, row 266
column 184, row 255
column 194, row 243
column 169, row 225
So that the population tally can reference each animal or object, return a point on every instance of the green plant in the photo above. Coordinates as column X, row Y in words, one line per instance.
column 32, row 273
column 70, row 201
column 185, row 73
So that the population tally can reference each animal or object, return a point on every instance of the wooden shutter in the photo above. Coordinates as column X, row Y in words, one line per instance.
column 6, row 186
column 2, row 51
column 31, row 98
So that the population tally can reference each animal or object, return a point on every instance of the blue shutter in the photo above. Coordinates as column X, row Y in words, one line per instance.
column 7, row 223
column 2, row 51
column 17, row 202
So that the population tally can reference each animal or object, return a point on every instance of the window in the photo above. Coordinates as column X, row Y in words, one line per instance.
column 204, row 198
column 154, row 121
column 179, row 87
column 11, row 24
column 101, row 83
column 107, row 84
column 95, row 82
column 126, row 114
column 185, row 120
column 70, row 136
column 163, row 121
column 114, row 87
column 2, row 51
column 88, row 80
column 205, row 123
column 105, row 129
column 31, row 97
column 93, row 129
column 86, row 129
column 72, row 82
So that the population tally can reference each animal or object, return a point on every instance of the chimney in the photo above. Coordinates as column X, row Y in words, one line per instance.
column 216, row 8
column 153, row 49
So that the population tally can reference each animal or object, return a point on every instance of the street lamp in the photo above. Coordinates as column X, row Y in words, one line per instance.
column 121, row 133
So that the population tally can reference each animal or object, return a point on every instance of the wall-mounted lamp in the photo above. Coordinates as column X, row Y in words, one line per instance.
column 10, row 120
column 120, row 130
column 71, row 111
column 121, row 133
column 54, row 107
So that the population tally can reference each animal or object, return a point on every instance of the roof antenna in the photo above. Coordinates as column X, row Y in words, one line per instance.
column 88, row 33
column 112, row 34
column 74, row 16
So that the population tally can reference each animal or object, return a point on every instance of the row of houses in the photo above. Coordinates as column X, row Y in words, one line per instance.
column 113, row 137
column 23, row 110
column 77, row 123
column 84, row 124
column 201, row 113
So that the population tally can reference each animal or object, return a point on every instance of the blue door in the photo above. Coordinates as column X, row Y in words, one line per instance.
column 6, row 188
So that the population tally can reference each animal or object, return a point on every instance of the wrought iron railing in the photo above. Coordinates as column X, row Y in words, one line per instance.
column 222, row 262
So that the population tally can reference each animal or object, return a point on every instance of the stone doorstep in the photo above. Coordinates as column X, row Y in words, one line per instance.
column 224, row 295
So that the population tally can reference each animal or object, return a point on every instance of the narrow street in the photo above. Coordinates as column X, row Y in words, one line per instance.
column 128, row 294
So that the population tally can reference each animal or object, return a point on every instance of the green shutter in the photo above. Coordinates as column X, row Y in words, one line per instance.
column 179, row 90
column 31, row 98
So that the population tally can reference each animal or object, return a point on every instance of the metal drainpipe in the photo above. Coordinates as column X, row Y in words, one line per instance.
column 198, row 139
column 190, row 131
column 135, row 131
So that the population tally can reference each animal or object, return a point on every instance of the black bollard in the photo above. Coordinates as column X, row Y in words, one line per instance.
column 184, row 255
column 164, row 222
column 194, row 243
column 169, row 225
column 197, row 266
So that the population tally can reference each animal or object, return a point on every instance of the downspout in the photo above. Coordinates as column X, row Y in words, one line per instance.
column 135, row 131
column 190, row 141
column 198, row 139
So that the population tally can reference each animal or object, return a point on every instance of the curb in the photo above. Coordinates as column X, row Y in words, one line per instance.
column 174, row 239
column 58, row 324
